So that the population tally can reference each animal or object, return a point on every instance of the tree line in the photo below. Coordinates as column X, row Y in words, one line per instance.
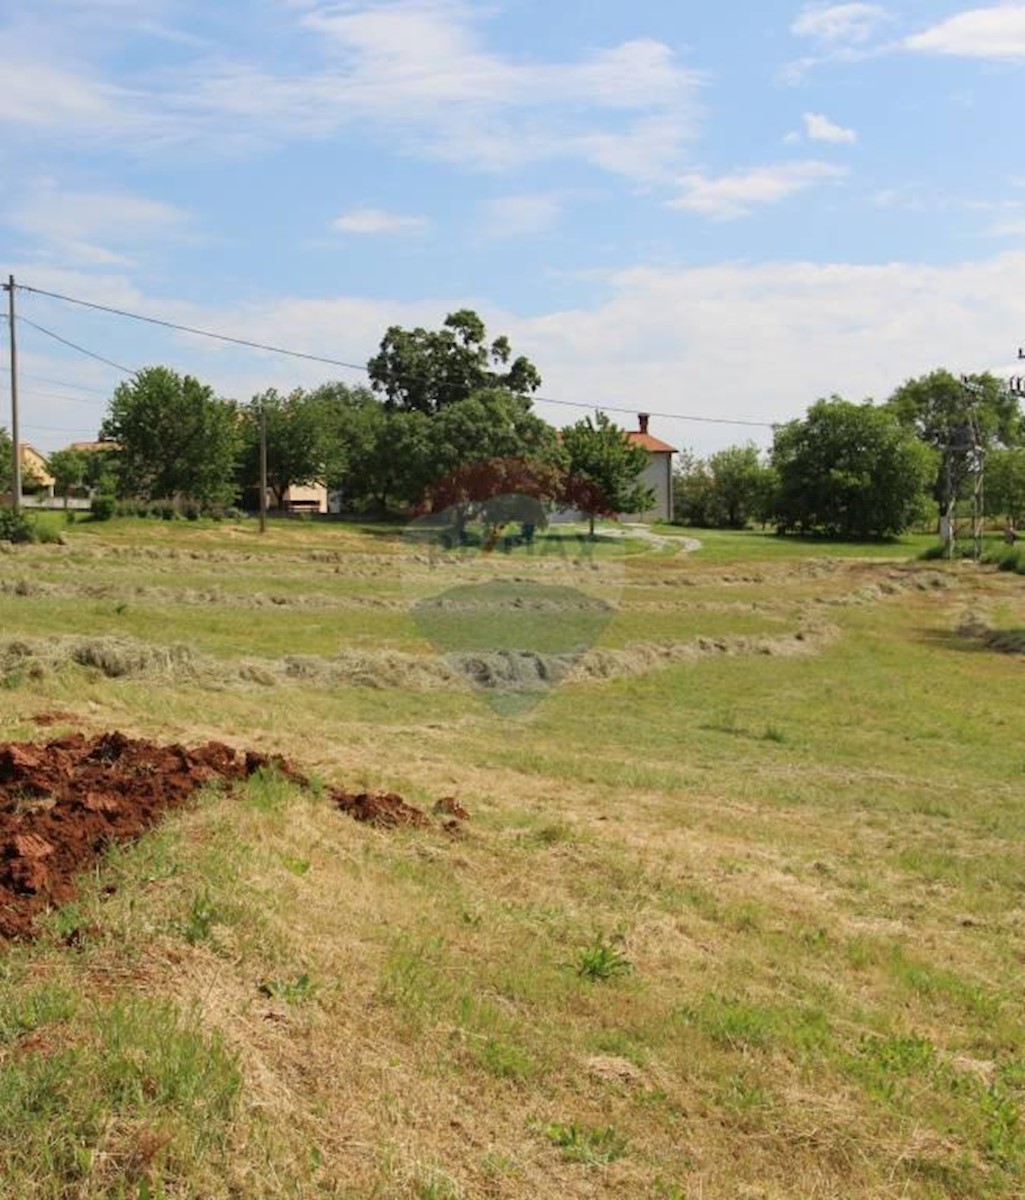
column 861, row 470
column 440, row 404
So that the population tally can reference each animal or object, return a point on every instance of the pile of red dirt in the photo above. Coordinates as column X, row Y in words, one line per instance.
column 63, row 803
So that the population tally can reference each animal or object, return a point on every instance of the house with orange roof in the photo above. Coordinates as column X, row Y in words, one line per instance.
column 35, row 471
column 658, row 474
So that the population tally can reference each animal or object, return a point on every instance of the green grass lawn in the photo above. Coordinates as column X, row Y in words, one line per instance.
column 741, row 919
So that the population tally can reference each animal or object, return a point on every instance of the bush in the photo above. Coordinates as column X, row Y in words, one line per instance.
column 1008, row 558
column 16, row 527
column 102, row 508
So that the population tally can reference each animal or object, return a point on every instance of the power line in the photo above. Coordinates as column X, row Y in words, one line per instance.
column 61, row 396
column 663, row 416
column 207, row 333
column 336, row 362
column 80, row 387
column 75, row 346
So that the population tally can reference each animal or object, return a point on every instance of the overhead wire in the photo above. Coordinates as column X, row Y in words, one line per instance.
column 79, row 387
column 75, row 346
column 334, row 362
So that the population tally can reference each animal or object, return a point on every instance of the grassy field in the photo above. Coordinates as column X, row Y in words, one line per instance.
column 739, row 912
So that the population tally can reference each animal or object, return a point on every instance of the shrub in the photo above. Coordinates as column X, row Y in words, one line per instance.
column 1008, row 558
column 102, row 508
column 16, row 527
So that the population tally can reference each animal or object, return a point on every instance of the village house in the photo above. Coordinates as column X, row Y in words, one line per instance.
column 658, row 474
column 35, row 472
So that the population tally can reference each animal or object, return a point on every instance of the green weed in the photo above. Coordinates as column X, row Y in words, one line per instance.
column 589, row 1147
column 603, row 960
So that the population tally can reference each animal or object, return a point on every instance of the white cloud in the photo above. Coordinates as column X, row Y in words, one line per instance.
column 93, row 227
column 38, row 95
column 420, row 74
column 738, row 194
column 821, row 129
column 378, row 221
column 810, row 329
column 835, row 23
column 995, row 33
column 523, row 215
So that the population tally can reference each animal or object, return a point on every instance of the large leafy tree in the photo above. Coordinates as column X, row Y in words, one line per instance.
column 495, row 428
column 296, row 441
column 849, row 470
column 426, row 370
column 375, row 456
column 938, row 407
column 176, row 438
column 604, row 469
column 493, row 423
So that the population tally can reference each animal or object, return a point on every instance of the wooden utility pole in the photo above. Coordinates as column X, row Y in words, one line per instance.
column 263, row 468
column 9, row 288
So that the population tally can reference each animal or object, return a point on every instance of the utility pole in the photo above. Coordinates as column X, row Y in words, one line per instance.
column 9, row 288
column 263, row 467
column 966, row 464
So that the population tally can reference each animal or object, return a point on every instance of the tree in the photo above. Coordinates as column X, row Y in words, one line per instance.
column 937, row 407
column 1005, row 484
column 491, row 426
column 426, row 370
column 727, row 490
column 176, row 438
column 296, row 442
column 68, row 468
column 849, row 470
column 604, row 469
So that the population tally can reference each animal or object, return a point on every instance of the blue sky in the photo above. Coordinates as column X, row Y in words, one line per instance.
column 708, row 210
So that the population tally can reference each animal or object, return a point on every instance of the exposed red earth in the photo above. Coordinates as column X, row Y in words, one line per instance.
column 63, row 803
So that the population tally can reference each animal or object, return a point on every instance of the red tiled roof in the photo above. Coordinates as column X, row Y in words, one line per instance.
column 649, row 443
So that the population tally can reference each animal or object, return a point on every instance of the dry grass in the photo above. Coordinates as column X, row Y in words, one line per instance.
column 811, row 863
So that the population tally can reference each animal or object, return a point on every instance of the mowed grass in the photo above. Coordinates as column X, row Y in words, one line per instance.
column 747, row 925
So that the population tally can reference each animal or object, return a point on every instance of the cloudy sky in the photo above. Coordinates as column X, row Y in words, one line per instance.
column 703, row 210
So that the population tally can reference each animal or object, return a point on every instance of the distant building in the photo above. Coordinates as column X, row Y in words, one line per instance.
column 658, row 474
column 310, row 498
column 35, row 471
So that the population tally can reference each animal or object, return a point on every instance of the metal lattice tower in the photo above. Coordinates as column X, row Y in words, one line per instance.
column 965, row 455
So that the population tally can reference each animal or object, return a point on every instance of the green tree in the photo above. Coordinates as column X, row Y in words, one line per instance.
column 397, row 468
column 604, row 469
column 493, row 426
column 102, row 469
column 296, row 441
column 1005, row 484
column 176, row 438
column 68, row 468
column 727, row 490
column 426, row 370
column 492, row 423
column 849, row 470
column 937, row 407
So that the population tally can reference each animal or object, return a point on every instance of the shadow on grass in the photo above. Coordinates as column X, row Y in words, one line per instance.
column 976, row 641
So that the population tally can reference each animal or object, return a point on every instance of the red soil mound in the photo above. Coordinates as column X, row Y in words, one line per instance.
column 62, row 804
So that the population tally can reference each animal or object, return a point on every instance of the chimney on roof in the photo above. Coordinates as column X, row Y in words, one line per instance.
column 643, row 418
